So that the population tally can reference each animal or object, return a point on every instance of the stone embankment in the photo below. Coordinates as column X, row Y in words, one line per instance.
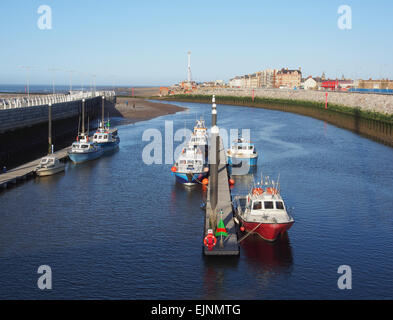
column 367, row 102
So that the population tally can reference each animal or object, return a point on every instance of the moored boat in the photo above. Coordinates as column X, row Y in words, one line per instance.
column 190, row 168
column 242, row 154
column 106, row 137
column 263, row 212
column 84, row 150
column 49, row 165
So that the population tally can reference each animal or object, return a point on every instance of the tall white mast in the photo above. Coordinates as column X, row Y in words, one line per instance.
column 189, row 67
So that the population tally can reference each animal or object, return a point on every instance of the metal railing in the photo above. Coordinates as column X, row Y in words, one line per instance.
column 41, row 100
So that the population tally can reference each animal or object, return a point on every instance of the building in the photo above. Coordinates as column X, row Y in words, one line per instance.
column 290, row 79
column 236, row 82
column 375, row 84
column 310, row 84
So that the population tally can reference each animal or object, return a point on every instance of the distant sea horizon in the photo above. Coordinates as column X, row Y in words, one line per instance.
column 48, row 88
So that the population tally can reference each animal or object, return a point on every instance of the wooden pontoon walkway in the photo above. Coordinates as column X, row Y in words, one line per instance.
column 231, row 246
column 26, row 170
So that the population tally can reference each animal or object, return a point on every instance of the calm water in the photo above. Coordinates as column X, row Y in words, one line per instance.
column 117, row 228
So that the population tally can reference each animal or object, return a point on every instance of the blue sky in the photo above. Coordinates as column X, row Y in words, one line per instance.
column 126, row 42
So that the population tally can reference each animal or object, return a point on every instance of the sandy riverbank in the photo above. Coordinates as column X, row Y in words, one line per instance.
column 137, row 109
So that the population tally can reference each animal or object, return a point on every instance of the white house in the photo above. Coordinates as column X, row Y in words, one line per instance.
column 310, row 84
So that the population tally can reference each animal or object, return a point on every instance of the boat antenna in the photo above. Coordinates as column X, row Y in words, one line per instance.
column 278, row 183
column 88, row 124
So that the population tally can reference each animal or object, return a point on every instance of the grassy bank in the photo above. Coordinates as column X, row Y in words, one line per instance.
column 374, row 125
column 261, row 102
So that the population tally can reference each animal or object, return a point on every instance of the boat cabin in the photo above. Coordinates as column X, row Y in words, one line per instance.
column 48, row 161
column 243, row 147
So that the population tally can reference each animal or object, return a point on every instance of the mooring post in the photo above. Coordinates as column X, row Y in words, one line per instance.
column 83, row 116
column 50, row 128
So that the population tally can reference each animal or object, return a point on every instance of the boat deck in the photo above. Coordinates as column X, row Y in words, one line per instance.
column 231, row 246
column 26, row 170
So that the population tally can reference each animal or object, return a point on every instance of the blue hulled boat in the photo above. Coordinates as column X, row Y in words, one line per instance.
column 83, row 150
column 242, row 155
column 106, row 137
column 190, row 168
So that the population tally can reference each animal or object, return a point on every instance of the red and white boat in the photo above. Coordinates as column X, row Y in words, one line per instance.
column 263, row 211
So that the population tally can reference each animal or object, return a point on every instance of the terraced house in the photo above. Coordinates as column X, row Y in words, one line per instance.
column 290, row 79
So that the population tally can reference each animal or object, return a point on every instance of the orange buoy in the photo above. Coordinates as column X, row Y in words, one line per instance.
column 271, row 190
column 231, row 182
column 242, row 229
column 205, row 181
column 173, row 169
column 257, row 191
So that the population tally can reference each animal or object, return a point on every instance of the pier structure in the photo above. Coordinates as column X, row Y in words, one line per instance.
column 16, row 113
column 219, row 202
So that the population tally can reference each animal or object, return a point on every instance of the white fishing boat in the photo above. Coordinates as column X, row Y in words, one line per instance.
column 190, row 168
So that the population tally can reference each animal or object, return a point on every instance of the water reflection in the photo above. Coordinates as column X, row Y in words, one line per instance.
column 264, row 255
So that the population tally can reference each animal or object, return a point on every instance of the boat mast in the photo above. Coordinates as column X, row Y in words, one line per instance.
column 50, row 128
column 102, row 111
column 83, row 116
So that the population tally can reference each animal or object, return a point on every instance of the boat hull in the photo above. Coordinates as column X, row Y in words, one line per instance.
column 237, row 160
column 109, row 146
column 84, row 157
column 50, row 171
column 267, row 231
column 190, row 178
column 242, row 165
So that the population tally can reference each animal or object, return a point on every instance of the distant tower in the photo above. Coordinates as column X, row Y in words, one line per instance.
column 189, row 67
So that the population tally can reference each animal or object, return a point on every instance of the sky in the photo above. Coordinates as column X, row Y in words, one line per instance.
column 127, row 42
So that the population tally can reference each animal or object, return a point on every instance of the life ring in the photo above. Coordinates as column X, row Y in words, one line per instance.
column 257, row 191
column 210, row 244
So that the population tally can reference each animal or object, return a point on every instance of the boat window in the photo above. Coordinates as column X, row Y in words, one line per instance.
column 182, row 161
column 190, row 161
column 269, row 205
column 279, row 205
column 50, row 160
column 106, row 136
column 198, row 162
column 257, row 205
column 250, row 147
column 84, row 146
column 95, row 136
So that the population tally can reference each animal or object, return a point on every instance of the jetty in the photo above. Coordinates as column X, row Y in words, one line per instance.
column 219, row 202
column 26, row 170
